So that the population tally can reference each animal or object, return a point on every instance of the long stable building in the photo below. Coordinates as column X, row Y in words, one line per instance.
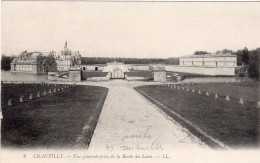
column 210, row 60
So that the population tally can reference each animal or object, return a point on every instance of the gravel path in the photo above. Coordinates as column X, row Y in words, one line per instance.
column 129, row 122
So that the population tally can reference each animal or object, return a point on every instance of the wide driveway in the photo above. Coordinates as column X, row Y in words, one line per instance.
column 129, row 122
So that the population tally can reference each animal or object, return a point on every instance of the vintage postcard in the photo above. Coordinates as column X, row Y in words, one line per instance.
column 86, row 81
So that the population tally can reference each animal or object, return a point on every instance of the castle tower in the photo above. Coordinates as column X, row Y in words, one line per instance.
column 66, row 47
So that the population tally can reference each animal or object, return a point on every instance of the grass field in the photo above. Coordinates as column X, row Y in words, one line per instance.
column 14, row 91
column 55, row 120
column 248, row 91
column 229, row 122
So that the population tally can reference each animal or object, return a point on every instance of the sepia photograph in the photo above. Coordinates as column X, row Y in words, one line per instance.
column 127, row 81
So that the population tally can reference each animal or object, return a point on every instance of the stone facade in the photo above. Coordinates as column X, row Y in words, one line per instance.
column 159, row 75
column 34, row 62
column 67, row 59
column 75, row 74
column 211, row 60
column 41, row 62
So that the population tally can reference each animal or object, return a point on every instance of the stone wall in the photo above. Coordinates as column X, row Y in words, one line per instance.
column 159, row 76
column 75, row 75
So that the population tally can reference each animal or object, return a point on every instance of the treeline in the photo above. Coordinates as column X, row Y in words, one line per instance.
column 104, row 60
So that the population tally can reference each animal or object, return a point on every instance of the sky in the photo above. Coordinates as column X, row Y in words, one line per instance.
column 129, row 29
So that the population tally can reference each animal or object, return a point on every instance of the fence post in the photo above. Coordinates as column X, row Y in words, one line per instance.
column 227, row 98
column 31, row 96
column 9, row 102
column 21, row 98
column 241, row 101
column 258, row 105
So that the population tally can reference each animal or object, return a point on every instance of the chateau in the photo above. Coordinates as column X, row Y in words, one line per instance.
column 34, row 62
column 44, row 62
column 67, row 59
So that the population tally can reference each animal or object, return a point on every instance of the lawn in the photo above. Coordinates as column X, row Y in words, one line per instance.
column 14, row 91
column 248, row 91
column 55, row 120
column 233, row 124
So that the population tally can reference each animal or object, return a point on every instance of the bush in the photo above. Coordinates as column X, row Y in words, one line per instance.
column 241, row 71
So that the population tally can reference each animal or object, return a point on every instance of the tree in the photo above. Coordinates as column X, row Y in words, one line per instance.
column 253, row 68
column 239, row 54
column 5, row 62
column 218, row 51
column 200, row 52
column 245, row 56
column 224, row 51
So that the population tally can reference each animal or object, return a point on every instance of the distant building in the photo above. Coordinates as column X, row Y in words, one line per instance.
column 34, row 62
column 67, row 59
column 210, row 60
column 42, row 62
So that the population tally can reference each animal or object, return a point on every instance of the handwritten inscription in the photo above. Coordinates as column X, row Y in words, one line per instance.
column 155, row 145
column 145, row 135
